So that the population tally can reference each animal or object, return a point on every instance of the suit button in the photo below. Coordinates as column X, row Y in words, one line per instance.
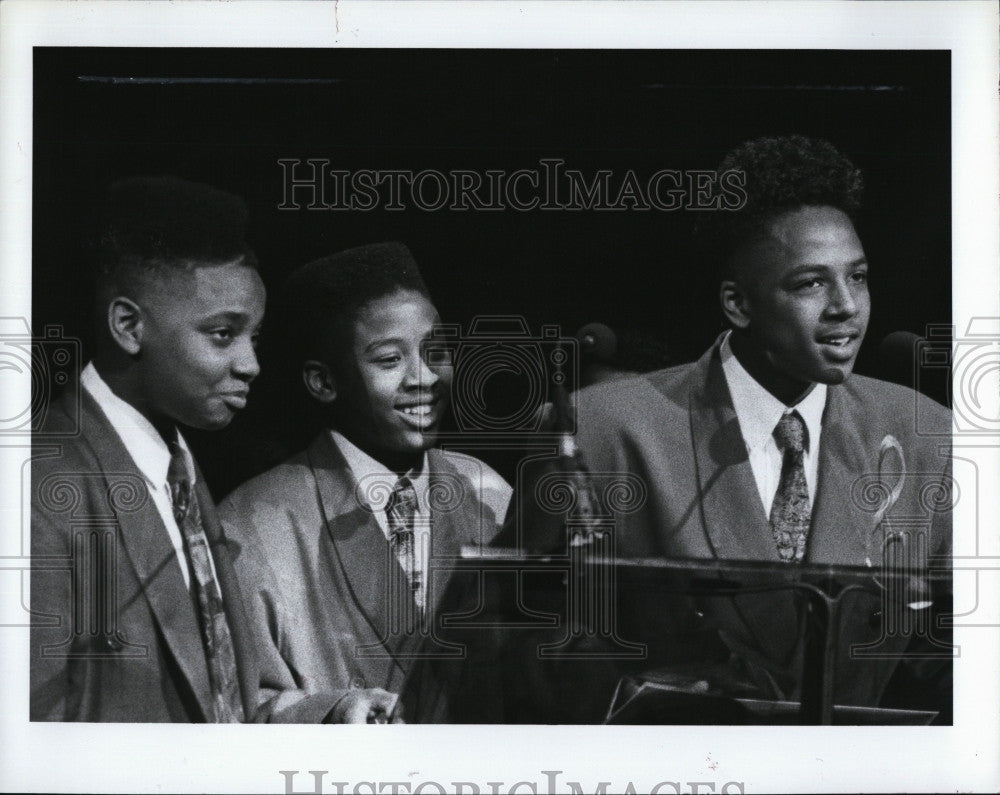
column 112, row 642
column 358, row 681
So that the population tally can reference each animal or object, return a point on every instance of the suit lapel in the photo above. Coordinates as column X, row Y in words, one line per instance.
column 239, row 628
column 840, row 524
column 450, row 520
column 153, row 558
column 360, row 546
column 735, row 521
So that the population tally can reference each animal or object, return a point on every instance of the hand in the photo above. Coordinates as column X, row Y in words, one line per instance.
column 371, row 705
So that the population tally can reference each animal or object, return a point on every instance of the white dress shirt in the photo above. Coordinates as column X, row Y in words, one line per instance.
column 375, row 484
column 758, row 412
column 149, row 452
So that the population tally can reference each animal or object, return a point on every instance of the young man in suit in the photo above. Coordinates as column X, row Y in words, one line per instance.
column 343, row 550
column 762, row 449
column 137, row 615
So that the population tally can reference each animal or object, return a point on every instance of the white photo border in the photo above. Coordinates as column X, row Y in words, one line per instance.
column 147, row 758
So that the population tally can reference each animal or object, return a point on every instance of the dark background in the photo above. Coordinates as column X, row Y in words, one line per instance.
column 227, row 116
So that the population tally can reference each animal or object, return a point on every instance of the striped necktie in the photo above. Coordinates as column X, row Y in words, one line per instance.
column 226, row 705
column 401, row 512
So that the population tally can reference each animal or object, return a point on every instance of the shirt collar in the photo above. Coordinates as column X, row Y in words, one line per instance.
column 142, row 441
column 375, row 477
column 758, row 411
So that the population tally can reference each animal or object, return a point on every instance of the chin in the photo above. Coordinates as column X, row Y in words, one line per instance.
column 832, row 376
column 426, row 442
column 215, row 422
column 418, row 442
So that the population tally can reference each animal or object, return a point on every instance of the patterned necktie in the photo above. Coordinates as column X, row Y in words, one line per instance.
column 218, row 643
column 791, row 509
column 401, row 511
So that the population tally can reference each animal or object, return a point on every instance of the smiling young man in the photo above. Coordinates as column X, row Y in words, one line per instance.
column 798, row 301
column 768, row 448
column 344, row 548
column 137, row 612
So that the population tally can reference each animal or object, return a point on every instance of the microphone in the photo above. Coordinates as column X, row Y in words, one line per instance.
column 598, row 354
column 897, row 355
column 608, row 355
column 597, row 342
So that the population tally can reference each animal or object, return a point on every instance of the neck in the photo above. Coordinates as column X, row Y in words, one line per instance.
column 788, row 390
column 400, row 463
column 123, row 380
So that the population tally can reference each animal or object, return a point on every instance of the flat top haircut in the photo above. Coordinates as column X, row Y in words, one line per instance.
column 780, row 174
column 321, row 299
column 155, row 225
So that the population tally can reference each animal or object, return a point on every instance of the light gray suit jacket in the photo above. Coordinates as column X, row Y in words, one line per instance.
column 315, row 566
column 115, row 636
column 678, row 431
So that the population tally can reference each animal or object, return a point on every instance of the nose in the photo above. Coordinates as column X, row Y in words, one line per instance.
column 842, row 302
column 420, row 374
column 245, row 364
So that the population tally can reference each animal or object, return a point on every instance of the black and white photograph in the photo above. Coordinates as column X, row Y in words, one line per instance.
column 597, row 413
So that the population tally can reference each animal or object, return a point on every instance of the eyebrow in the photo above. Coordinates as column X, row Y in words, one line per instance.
column 825, row 266
column 385, row 341
column 401, row 341
column 236, row 317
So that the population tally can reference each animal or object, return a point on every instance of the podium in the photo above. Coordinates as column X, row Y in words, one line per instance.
column 645, row 702
column 906, row 594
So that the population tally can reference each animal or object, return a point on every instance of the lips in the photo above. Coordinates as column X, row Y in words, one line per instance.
column 840, row 344
column 235, row 400
column 419, row 415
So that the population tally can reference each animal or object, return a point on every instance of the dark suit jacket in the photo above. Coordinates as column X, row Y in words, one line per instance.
column 115, row 635
column 315, row 564
column 678, row 432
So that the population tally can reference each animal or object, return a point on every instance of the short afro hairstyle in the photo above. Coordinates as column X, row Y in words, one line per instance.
column 321, row 299
column 155, row 224
column 781, row 174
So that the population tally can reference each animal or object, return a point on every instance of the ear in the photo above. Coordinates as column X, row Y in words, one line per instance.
column 319, row 381
column 734, row 304
column 125, row 324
